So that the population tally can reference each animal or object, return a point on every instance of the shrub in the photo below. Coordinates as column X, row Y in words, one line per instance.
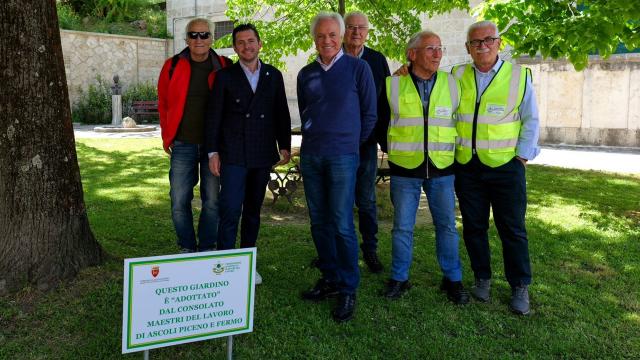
column 67, row 17
column 156, row 23
column 119, row 10
column 94, row 105
column 139, row 92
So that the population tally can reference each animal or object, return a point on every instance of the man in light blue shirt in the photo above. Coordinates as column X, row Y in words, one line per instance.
column 527, row 146
column 494, row 143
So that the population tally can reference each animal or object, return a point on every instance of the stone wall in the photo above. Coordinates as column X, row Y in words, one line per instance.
column 597, row 106
column 88, row 55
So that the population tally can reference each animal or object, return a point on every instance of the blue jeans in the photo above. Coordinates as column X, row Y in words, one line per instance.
column 329, row 186
column 186, row 161
column 405, row 196
column 241, row 194
column 366, row 197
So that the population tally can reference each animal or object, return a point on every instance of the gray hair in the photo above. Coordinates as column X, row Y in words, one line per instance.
column 356, row 13
column 325, row 15
column 480, row 25
column 196, row 21
column 414, row 42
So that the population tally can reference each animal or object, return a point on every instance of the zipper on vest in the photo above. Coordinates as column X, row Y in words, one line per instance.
column 425, row 114
column 475, row 128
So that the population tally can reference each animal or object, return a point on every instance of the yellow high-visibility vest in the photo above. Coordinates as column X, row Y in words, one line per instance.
column 498, row 120
column 405, row 136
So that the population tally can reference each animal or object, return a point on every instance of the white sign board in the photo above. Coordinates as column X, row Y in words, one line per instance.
column 177, row 299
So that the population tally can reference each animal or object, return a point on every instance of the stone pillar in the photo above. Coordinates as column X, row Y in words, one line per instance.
column 116, row 102
column 116, row 110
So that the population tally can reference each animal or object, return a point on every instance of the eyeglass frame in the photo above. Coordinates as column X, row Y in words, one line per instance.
column 430, row 49
column 357, row 27
column 202, row 35
column 488, row 41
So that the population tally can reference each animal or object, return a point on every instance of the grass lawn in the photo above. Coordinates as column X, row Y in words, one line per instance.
column 584, row 233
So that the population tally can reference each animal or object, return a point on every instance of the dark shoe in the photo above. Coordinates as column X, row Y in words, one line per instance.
column 520, row 300
column 345, row 307
column 482, row 289
column 206, row 249
column 455, row 291
column 186, row 251
column 372, row 261
column 323, row 289
column 395, row 289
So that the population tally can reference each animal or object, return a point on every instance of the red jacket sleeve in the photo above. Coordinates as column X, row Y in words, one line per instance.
column 163, row 89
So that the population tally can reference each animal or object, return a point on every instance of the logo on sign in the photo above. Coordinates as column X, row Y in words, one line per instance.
column 218, row 269
column 155, row 271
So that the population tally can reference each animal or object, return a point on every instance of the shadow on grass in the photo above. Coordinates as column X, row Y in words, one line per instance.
column 607, row 200
column 584, row 252
column 127, row 197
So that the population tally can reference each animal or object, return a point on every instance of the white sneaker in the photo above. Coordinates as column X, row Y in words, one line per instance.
column 258, row 279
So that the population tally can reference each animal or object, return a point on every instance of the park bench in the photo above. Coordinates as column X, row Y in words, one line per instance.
column 287, row 184
column 140, row 109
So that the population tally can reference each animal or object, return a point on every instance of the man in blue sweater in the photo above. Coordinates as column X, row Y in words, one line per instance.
column 337, row 103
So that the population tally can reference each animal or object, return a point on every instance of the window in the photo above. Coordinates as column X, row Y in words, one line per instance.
column 222, row 28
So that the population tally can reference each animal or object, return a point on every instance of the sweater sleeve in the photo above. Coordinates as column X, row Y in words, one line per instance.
column 301, row 100
column 367, row 99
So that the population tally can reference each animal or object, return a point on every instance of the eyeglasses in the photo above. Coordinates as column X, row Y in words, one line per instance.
column 204, row 35
column 487, row 41
column 430, row 49
column 357, row 27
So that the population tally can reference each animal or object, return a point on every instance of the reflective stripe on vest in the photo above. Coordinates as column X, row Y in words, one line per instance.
column 498, row 120
column 405, row 136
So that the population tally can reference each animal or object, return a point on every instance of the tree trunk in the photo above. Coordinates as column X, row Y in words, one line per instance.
column 44, row 231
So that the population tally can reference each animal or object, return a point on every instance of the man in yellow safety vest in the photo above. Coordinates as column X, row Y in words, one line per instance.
column 497, row 133
column 417, row 111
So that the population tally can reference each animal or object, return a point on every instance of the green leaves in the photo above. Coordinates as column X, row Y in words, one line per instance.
column 565, row 28
column 284, row 24
column 551, row 28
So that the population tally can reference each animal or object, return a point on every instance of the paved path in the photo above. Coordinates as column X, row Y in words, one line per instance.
column 624, row 161
column 619, row 160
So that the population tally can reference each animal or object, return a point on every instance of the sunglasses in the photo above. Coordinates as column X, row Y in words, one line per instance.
column 204, row 35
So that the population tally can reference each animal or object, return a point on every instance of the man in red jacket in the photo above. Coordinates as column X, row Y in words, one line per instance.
column 183, row 90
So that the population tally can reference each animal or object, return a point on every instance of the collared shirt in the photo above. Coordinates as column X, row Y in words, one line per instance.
column 253, row 77
column 333, row 61
column 424, row 89
column 527, row 146
column 359, row 56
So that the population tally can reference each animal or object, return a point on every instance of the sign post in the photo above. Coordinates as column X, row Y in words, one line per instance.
column 177, row 299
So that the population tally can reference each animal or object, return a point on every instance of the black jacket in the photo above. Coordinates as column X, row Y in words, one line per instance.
column 380, row 70
column 248, row 129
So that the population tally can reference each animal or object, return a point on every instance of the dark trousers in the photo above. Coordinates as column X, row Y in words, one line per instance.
column 479, row 188
column 241, row 194
column 366, row 196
